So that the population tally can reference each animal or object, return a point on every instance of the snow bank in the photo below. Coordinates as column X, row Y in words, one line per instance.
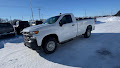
column 109, row 19
column 16, row 39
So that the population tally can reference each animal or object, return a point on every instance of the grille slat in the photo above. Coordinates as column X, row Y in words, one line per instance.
column 27, row 36
column 26, row 33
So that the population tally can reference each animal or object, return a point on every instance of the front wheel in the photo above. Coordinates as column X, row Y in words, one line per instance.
column 87, row 33
column 49, row 45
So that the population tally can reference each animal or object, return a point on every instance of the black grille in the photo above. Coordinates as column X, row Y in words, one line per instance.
column 26, row 33
column 27, row 38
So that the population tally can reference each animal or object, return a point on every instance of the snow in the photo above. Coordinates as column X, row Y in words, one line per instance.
column 109, row 19
column 101, row 50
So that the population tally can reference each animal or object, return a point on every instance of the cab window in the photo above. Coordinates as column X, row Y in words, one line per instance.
column 66, row 19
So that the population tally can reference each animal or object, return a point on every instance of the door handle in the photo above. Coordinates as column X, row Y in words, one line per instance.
column 73, row 24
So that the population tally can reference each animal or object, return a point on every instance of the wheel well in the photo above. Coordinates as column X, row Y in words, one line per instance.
column 89, row 27
column 51, row 35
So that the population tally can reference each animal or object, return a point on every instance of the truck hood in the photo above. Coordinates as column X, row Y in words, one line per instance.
column 34, row 28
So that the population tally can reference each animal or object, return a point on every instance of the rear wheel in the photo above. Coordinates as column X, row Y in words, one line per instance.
column 49, row 45
column 18, row 31
column 87, row 33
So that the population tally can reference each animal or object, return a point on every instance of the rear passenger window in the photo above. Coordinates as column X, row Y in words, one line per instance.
column 69, row 19
column 5, row 25
column 66, row 19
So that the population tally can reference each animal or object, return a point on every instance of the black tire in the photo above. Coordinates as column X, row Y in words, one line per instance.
column 18, row 32
column 46, row 45
column 87, row 33
column 14, row 34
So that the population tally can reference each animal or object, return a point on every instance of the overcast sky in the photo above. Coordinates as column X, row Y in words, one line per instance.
column 21, row 8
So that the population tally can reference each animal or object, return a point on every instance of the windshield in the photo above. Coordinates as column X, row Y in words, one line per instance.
column 51, row 20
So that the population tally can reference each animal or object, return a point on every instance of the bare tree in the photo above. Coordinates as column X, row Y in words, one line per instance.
column 3, row 20
column 13, row 22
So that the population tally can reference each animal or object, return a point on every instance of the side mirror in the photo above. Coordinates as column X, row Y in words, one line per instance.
column 60, row 23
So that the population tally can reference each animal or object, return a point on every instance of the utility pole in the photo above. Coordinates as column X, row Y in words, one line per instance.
column 42, row 16
column 85, row 12
column 22, row 17
column 39, row 12
column 103, row 13
column 10, row 18
column 31, row 10
column 111, row 12
column 30, row 17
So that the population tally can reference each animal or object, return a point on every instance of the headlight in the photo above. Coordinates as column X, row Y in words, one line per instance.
column 35, row 32
column 30, row 33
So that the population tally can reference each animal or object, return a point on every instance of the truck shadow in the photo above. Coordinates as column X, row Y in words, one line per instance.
column 10, row 39
column 1, row 45
column 82, row 52
column 99, row 22
column 3, row 37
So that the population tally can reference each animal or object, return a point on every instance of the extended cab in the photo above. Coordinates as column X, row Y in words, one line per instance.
column 57, row 29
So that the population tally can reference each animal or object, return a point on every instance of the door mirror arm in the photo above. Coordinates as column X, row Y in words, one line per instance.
column 61, row 24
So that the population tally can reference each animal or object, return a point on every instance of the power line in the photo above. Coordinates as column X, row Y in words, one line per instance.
column 39, row 12
column 14, row 6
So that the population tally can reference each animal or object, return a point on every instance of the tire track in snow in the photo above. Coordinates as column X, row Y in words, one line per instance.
column 4, row 57
column 13, row 58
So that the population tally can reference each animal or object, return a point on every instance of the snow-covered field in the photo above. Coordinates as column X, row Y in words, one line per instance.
column 109, row 19
column 101, row 50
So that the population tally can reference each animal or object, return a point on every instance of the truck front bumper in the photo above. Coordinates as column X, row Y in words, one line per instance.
column 31, row 43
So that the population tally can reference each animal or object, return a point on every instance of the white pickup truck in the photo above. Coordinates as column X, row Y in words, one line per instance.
column 57, row 29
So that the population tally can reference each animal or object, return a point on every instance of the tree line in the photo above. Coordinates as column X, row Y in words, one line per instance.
column 9, row 21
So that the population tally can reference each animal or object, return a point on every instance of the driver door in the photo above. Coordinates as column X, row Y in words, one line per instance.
column 69, row 29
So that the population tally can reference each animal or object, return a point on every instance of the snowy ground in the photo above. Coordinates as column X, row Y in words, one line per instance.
column 101, row 50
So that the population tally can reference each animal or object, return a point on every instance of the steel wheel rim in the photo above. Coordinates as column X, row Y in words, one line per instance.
column 51, row 46
column 88, row 33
